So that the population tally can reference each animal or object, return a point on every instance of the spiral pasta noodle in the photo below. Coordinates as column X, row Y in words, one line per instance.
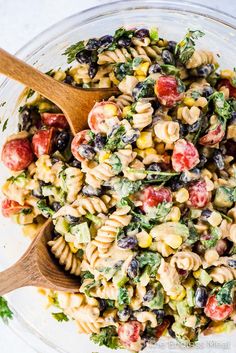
column 186, row 260
column 123, row 100
column 189, row 115
column 91, row 205
column 167, row 131
column 143, row 115
column 97, row 175
column 222, row 274
column 199, row 58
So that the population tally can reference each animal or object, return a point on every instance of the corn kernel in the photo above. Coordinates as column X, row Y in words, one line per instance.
column 145, row 140
column 44, row 106
column 110, row 109
column 189, row 283
column 182, row 195
column 174, row 214
column 73, row 248
column 140, row 153
column 113, row 78
column 214, row 219
column 227, row 74
column 179, row 296
column 174, row 241
column 149, row 151
column 144, row 239
column 142, row 69
column 126, row 111
column 103, row 156
column 196, row 274
column 59, row 75
column 160, row 148
column 189, row 101
column 140, row 78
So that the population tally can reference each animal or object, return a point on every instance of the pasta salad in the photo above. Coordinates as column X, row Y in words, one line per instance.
column 143, row 201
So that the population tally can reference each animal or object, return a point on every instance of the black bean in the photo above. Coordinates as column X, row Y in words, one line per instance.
column 154, row 68
column 218, row 159
column 86, row 151
column 232, row 263
column 131, row 136
column 56, row 206
column 75, row 163
column 201, row 297
column 84, row 56
column 124, row 42
column 27, row 118
column 69, row 79
column 183, row 129
column 175, row 184
column 160, row 313
column 168, row 57
column 206, row 213
column 105, row 41
column 89, row 190
column 124, row 314
column 92, row 44
column 102, row 304
column 133, row 268
column 72, row 219
column 153, row 167
column 194, row 127
column 37, row 193
column 207, row 91
column 205, row 70
column 93, row 69
column 171, row 46
column 142, row 33
column 231, row 148
column 203, row 161
column 127, row 242
column 232, row 120
column 149, row 295
column 191, row 175
column 62, row 140
column 99, row 142
column 171, row 332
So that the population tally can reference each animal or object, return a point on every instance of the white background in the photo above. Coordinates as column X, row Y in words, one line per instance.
column 21, row 20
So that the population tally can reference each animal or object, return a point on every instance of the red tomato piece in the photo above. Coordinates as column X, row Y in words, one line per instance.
column 55, row 120
column 185, row 156
column 100, row 113
column 213, row 136
column 129, row 332
column 160, row 329
column 198, row 194
column 166, row 89
column 152, row 196
column 83, row 137
column 10, row 207
column 217, row 312
column 17, row 154
column 42, row 141
column 232, row 89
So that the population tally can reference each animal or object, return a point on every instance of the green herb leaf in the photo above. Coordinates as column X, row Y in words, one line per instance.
column 136, row 62
column 195, row 95
column 225, row 294
column 60, row 317
column 19, row 178
column 30, row 93
column 185, row 49
column 170, row 70
column 153, row 33
column 214, row 237
column 221, row 106
column 149, row 258
column 86, row 275
column 193, row 234
column 107, row 337
column 125, row 187
column 115, row 140
column 116, row 164
column 146, row 89
column 73, row 50
column 26, row 211
column 123, row 296
column 121, row 70
column 5, row 311
column 45, row 210
column 4, row 127
column 89, row 286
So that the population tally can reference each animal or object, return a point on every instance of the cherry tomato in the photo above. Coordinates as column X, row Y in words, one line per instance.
column 198, row 194
column 185, row 156
column 10, row 207
column 160, row 329
column 217, row 312
column 100, row 112
column 232, row 89
column 129, row 332
column 42, row 141
column 83, row 137
column 213, row 136
column 55, row 120
column 17, row 154
column 166, row 89
column 152, row 196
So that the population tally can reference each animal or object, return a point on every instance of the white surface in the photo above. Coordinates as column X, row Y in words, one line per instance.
column 19, row 22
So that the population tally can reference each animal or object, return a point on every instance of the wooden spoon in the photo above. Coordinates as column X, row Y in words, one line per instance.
column 74, row 102
column 38, row 267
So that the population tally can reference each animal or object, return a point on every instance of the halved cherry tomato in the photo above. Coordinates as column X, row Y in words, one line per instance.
column 55, row 120
column 217, row 312
column 166, row 89
column 213, row 136
column 160, row 329
column 100, row 113
column 129, row 332
column 17, row 154
column 42, row 141
column 232, row 89
column 11, row 207
column 152, row 196
column 83, row 137
column 185, row 156
column 198, row 194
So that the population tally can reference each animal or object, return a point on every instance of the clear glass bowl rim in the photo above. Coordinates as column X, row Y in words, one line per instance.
column 19, row 325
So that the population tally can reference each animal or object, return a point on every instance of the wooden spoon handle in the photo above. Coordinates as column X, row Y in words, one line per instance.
column 20, row 71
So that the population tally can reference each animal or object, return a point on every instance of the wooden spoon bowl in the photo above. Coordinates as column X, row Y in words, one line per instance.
column 38, row 267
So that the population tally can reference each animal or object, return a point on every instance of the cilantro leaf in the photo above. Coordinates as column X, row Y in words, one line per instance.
column 4, row 127
column 107, row 337
column 170, row 69
column 74, row 49
column 185, row 49
column 116, row 164
column 153, row 33
column 221, row 106
column 125, row 187
column 5, row 311
column 115, row 139
column 86, row 275
column 225, row 294
column 123, row 296
column 149, row 258
column 60, row 317
column 123, row 69
column 214, row 237
column 45, row 210
column 144, row 89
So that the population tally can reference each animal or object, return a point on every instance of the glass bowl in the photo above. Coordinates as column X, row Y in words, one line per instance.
column 32, row 322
